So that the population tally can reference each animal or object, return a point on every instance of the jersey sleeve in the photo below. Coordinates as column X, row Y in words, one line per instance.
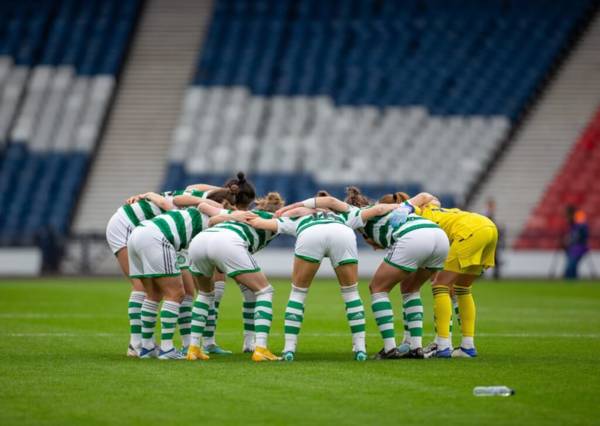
column 263, row 214
column 196, row 193
column 286, row 225
column 353, row 218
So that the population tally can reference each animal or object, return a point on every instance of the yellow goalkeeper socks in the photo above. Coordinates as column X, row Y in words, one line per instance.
column 466, row 307
column 442, row 309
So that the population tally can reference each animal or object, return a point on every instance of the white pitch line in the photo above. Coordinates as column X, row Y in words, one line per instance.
column 490, row 335
column 20, row 315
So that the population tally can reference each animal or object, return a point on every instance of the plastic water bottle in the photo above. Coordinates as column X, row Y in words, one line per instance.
column 493, row 391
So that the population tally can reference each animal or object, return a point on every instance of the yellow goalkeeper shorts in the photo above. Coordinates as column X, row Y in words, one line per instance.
column 472, row 254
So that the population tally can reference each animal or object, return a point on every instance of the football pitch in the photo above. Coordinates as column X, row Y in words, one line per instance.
column 63, row 362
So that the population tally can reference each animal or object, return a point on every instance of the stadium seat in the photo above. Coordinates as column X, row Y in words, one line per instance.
column 58, row 65
column 576, row 183
column 366, row 93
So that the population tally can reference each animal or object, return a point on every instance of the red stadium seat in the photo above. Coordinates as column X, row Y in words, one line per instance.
column 576, row 183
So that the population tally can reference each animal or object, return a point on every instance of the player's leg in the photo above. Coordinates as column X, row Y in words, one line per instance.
column 412, row 306
column 149, row 315
column 134, row 306
column 263, row 313
column 347, row 275
column 204, row 299
column 466, row 307
column 185, row 310
column 118, row 231
column 210, row 344
column 340, row 246
column 231, row 256
column 159, row 262
column 385, row 278
column 202, row 268
column 308, row 254
column 442, row 311
column 480, row 253
column 149, row 308
column 249, row 304
column 302, row 276
column 431, row 249
column 173, row 293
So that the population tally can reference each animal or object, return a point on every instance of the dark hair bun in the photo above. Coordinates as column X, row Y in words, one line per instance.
column 322, row 193
column 241, row 177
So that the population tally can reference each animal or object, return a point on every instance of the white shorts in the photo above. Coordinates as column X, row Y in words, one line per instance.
column 222, row 249
column 151, row 255
column 332, row 240
column 421, row 248
column 183, row 259
column 118, row 230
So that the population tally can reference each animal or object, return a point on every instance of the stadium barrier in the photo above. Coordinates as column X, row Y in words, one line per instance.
column 20, row 261
column 89, row 255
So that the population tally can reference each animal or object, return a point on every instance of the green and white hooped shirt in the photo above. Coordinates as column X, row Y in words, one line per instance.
column 146, row 210
column 379, row 230
column 180, row 226
column 295, row 225
column 255, row 239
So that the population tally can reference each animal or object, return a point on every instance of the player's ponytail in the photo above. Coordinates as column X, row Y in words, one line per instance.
column 245, row 193
column 355, row 197
column 271, row 202
column 395, row 198
column 226, row 196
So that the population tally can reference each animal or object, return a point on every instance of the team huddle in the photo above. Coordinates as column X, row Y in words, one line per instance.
column 177, row 247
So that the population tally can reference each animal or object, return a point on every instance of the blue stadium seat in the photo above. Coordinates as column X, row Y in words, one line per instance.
column 39, row 185
column 481, row 61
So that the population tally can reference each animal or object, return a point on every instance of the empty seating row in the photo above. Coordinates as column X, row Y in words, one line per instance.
column 58, row 61
column 366, row 92
column 576, row 184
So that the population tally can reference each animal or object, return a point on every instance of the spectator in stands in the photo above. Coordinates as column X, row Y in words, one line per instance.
column 490, row 212
column 576, row 240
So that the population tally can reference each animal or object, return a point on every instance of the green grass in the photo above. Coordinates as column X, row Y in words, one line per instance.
column 63, row 343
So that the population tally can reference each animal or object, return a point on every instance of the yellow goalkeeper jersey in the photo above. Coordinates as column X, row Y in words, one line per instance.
column 458, row 224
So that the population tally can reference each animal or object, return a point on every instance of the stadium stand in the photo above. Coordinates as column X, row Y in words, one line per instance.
column 145, row 110
column 543, row 139
column 576, row 183
column 58, row 64
column 322, row 94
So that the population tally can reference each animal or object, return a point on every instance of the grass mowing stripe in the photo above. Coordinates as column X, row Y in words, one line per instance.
column 63, row 362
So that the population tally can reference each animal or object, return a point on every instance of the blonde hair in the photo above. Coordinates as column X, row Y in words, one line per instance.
column 395, row 198
column 270, row 203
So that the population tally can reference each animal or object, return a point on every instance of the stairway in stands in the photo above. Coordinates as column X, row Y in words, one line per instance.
column 544, row 141
column 132, row 156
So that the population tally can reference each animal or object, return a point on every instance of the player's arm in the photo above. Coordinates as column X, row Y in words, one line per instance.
column 211, row 210
column 265, row 224
column 422, row 199
column 331, row 203
column 159, row 200
column 377, row 210
column 201, row 187
column 298, row 211
column 227, row 215
column 187, row 200
column 134, row 198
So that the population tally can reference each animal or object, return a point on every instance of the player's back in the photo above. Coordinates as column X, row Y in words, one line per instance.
column 456, row 223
